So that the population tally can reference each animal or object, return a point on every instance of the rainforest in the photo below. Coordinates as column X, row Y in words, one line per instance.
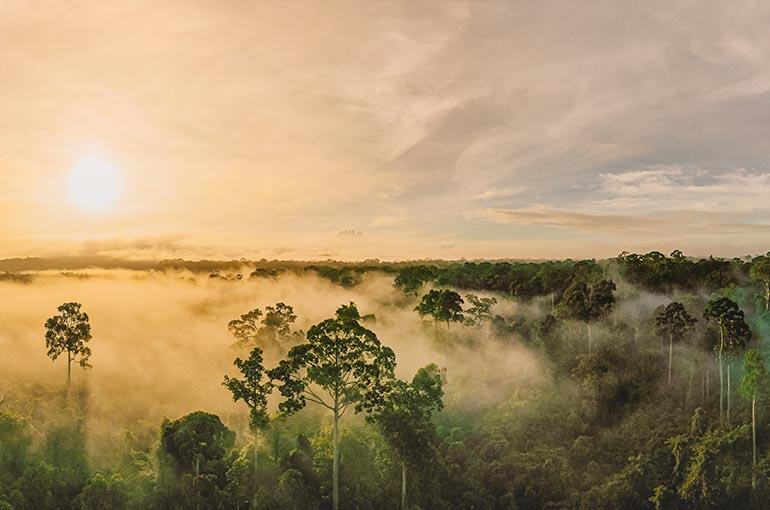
column 638, row 381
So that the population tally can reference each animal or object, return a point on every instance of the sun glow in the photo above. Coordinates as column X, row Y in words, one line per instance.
column 94, row 183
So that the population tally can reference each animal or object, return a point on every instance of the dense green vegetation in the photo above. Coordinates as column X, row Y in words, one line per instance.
column 653, row 394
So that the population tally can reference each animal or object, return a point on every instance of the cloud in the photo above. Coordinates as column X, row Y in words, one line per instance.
column 658, row 225
column 350, row 233
column 504, row 192
column 429, row 109
column 387, row 221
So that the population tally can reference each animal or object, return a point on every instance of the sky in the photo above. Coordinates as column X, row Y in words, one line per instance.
column 391, row 130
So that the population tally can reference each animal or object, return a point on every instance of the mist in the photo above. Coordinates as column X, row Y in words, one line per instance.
column 161, row 345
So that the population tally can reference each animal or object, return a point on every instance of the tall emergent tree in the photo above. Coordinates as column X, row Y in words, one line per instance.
column 404, row 417
column 760, row 272
column 443, row 305
column 278, row 319
column 754, row 386
column 254, row 329
column 734, row 333
column 480, row 310
column 246, row 328
column 253, row 388
column 587, row 304
column 340, row 363
column 69, row 331
column 673, row 322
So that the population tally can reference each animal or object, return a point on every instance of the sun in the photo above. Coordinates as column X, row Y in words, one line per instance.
column 94, row 183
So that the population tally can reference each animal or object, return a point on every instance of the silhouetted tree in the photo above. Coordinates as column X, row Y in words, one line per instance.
column 338, row 365
column 733, row 334
column 587, row 304
column 246, row 328
column 673, row 322
column 404, row 417
column 480, row 310
column 253, row 388
column 69, row 331
column 443, row 305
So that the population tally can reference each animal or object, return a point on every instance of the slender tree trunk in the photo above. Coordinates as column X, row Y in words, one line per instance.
column 69, row 367
column 336, row 462
column 403, row 485
column 590, row 340
column 767, row 295
column 754, row 440
column 728, row 392
column 670, row 355
column 256, row 466
column 708, row 383
column 553, row 303
column 721, row 376
column 689, row 389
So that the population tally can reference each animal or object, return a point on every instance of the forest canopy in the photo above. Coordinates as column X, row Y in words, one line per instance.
column 638, row 381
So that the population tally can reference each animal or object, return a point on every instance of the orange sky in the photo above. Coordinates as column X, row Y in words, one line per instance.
column 386, row 129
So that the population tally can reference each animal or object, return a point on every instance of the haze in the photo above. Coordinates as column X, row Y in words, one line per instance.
column 391, row 130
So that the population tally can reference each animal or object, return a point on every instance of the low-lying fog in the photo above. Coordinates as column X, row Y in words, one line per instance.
column 161, row 344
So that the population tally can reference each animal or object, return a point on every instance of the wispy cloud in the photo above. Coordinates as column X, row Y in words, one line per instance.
column 350, row 233
column 522, row 113
column 504, row 192
column 387, row 221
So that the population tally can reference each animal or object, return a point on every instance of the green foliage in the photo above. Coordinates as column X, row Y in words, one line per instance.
column 674, row 321
column 104, row 493
column 341, row 357
column 404, row 412
column 410, row 279
column 69, row 331
column 251, row 388
column 546, row 427
column 586, row 304
column 196, row 443
column 442, row 304
column 755, row 382
column 251, row 329
column 760, row 272
column 279, row 318
column 734, row 331
column 480, row 310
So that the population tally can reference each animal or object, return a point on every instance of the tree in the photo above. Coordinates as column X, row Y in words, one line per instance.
column 587, row 304
column 404, row 417
column 196, row 442
column 279, row 318
column 480, row 311
column 443, row 305
column 104, row 493
column 340, row 363
column 246, row 328
column 673, row 322
column 411, row 278
column 253, row 390
column 254, row 329
column 193, row 448
column 760, row 272
column 277, row 323
column 754, row 385
column 69, row 331
column 733, row 334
